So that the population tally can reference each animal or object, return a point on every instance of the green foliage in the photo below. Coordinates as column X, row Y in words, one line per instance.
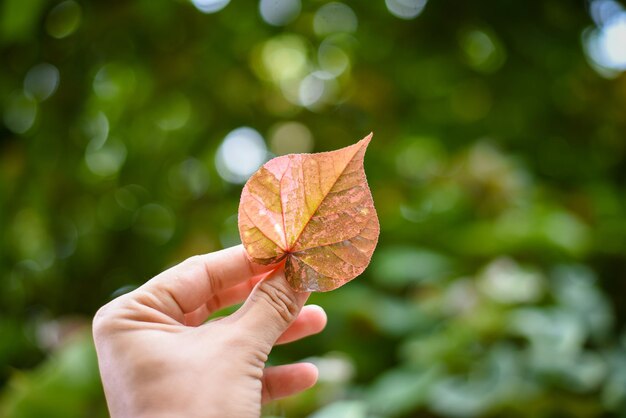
column 497, row 168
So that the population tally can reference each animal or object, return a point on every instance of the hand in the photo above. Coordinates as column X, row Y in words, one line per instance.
column 158, row 358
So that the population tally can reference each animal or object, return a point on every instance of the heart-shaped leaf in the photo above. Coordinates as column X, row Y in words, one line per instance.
column 315, row 212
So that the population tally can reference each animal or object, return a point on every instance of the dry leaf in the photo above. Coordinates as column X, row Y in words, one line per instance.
column 315, row 212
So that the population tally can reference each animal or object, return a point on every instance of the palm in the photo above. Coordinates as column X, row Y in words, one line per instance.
column 179, row 363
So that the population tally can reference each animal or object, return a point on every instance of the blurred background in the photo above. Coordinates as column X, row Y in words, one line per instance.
column 498, row 168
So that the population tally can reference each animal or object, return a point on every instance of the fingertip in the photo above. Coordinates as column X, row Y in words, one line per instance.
column 287, row 380
column 311, row 372
column 313, row 368
column 318, row 311
column 317, row 317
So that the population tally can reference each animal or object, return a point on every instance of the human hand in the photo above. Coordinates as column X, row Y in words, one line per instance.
column 158, row 358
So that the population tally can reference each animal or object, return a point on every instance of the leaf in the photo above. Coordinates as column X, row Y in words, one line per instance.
column 315, row 212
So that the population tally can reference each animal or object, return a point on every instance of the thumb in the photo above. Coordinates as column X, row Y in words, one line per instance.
column 270, row 309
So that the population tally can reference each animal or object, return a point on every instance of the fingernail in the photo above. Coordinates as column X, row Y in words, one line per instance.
column 316, row 308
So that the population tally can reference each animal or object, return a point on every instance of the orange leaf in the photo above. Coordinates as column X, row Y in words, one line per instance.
column 315, row 212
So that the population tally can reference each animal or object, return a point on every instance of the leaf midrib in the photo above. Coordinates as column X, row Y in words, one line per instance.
column 289, row 250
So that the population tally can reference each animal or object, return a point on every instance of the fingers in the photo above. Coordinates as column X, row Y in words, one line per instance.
column 282, row 381
column 271, row 308
column 187, row 286
column 221, row 300
column 312, row 320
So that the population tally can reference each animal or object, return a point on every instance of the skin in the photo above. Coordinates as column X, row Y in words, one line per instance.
column 158, row 358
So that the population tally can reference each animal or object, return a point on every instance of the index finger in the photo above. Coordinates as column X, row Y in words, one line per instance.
column 190, row 284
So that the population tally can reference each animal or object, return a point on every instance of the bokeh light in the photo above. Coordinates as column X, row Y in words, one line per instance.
column 605, row 44
column 317, row 90
column 290, row 138
column 241, row 153
column 279, row 12
column 603, row 11
column 420, row 159
column 334, row 17
column 173, row 112
column 285, row 57
column 332, row 59
column 405, row 9
column 41, row 81
column 63, row 19
column 312, row 89
column 114, row 80
column 105, row 159
column 20, row 113
column 210, row 6
column 96, row 127
column 482, row 49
